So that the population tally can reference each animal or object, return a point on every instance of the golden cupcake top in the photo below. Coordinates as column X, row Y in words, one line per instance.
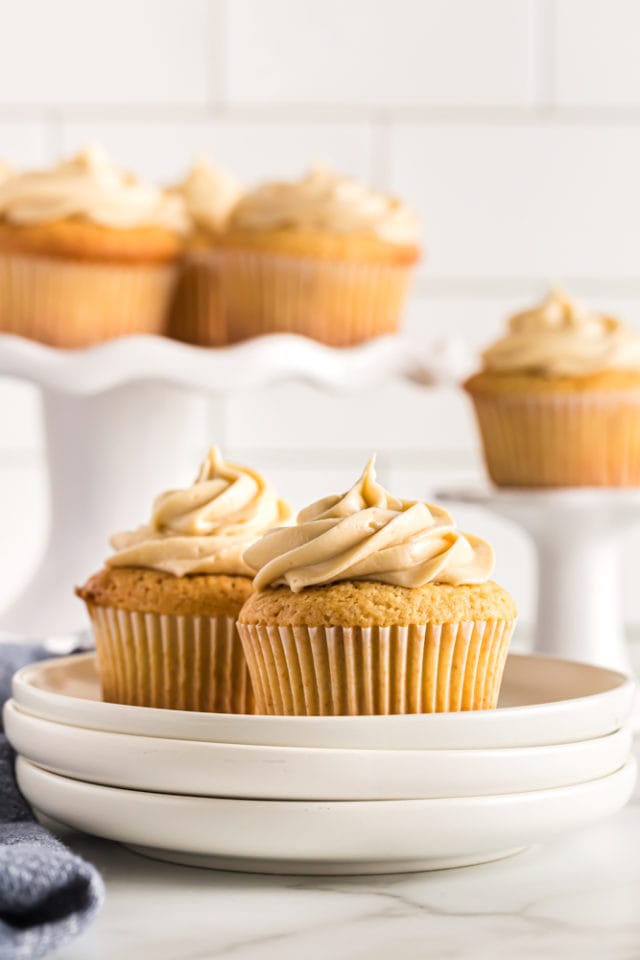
column 324, row 201
column 89, row 187
column 560, row 338
column 204, row 528
column 209, row 195
column 369, row 534
column 360, row 603
column 153, row 591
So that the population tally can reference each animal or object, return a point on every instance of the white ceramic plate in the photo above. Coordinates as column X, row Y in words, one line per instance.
column 294, row 773
column 310, row 837
column 543, row 701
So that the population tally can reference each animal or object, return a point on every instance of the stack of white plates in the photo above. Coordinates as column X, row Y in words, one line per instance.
column 327, row 794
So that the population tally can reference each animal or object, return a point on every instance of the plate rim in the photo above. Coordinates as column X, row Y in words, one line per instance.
column 625, row 684
column 631, row 765
column 318, row 835
column 12, row 705
column 209, row 769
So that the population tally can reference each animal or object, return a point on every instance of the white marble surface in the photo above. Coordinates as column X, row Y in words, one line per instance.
column 578, row 896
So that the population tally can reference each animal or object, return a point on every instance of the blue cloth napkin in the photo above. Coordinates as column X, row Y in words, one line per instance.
column 47, row 894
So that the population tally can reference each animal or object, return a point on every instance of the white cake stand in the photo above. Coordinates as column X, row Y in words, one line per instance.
column 577, row 534
column 118, row 415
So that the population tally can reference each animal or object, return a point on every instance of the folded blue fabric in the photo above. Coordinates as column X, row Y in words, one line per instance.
column 47, row 894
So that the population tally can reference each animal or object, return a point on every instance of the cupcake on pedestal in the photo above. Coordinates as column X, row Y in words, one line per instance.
column 558, row 399
column 325, row 257
column 87, row 253
column 198, row 314
column 164, row 607
column 370, row 604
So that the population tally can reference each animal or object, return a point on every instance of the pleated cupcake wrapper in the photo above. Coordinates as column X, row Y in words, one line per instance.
column 198, row 314
column 334, row 671
column 335, row 302
column 74, row 303
column 586, row 439
column 177, row 662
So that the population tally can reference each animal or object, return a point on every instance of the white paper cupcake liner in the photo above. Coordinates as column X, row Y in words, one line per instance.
column 198, row 314
column 75, row 303
column 335, row 302
column 585, row 439
column 333, row 671
column 176, row 662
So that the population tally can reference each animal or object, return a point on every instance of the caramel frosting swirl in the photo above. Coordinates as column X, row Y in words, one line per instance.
column 561, row 338
column 368, row 534
column 204, row 528
column 90, row 187
column 209, row 195
column 324, row 201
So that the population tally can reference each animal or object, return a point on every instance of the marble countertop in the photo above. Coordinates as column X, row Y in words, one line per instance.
column 577, row 896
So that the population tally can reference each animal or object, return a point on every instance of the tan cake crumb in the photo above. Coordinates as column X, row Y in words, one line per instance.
column 79, row 239
column 359, row 248
column 362, row 604
column 152, row 591
column 490, row 383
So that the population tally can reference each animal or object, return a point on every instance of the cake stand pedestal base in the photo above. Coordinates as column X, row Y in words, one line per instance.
column 576, row 533
column 108, row 455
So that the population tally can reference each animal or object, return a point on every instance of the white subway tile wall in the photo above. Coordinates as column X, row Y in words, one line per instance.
column 25, row 143
column 121, row 52
column 379, row 54
column 597, row 52
column 251, row 149
column 522, row 199
column 513, row 126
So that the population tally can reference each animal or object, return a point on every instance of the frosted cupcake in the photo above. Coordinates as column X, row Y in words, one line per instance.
column 164, row 607
column 87, row 253
column 198, row 315
column 558, row 399
column 374, row 605
column 324, row 256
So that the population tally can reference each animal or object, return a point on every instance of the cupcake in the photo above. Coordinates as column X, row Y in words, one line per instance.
column 164, row 607
column 87, row 253
column 370, row 604
column 198, row 316
column 558, row 400
column 325, row 257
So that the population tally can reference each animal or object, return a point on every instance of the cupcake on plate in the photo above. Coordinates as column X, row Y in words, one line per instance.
column 198, row 315
column 87, row 253
column 370, row 604
column 164, row 607
column 325, row 257
column 558, row 399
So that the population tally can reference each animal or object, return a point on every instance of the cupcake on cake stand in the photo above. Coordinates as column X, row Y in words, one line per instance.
column 558, row 406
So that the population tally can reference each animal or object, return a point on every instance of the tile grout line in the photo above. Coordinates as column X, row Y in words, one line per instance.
column 53, row 134
column 452, row 287
column 542, row 112
column 381, row 145
column 543, row 57
column 216, row 44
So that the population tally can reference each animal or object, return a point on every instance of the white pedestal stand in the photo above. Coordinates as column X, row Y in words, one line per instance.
column 105, row 455
column 576, row 533
column 124, row 420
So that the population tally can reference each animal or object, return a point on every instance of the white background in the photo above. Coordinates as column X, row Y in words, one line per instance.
column 513, row 126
